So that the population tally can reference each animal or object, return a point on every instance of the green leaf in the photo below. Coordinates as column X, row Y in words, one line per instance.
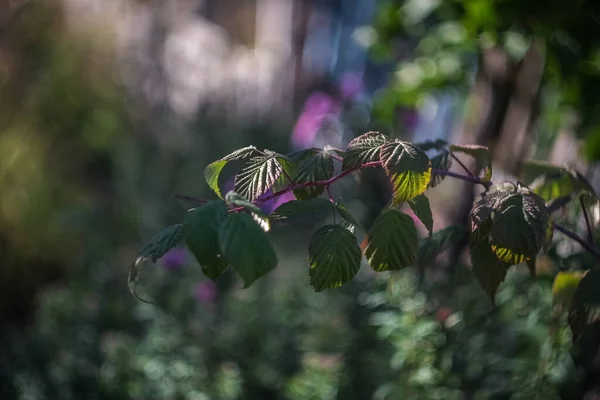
column 213, row 170
column 288, row 176
column 482, row 209
column 346, row 215
column 442, row 161
column 519, row 228
column 201, row 232
column 481, row 155
column 489, row 270
column 560, row 182
column 260, row 174
column 363, row 149
column 247, row 247
column 392, row 242
column 588, row 291
column 333, row 256
column 313, row 210
column 316, row 168
column 408, row 168
column 155, row 249
column 439, row 242
column 421, row 208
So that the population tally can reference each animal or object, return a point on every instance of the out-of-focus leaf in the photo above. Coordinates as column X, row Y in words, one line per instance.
column 246, row 247
column 363, row 149
column 213, row 170
column 201, row 232
column 333, row 256
column 438, row 144
column 153, row 250
column 392, row 242
column 408, row 168
column 564, row 287
column 313, row 210
column 319, row 167
column 481, row 155
column 421, row 208
column 346, row 215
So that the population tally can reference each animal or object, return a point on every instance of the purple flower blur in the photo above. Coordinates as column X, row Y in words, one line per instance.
column 351, row 85
column 269, row 206
column 205, row 291
column 175, row 258
column 317, row 109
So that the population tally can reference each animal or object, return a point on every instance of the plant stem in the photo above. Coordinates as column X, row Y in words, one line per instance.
column 587, row 221
column 461, row 164
column 588, row 246
column 466, row 178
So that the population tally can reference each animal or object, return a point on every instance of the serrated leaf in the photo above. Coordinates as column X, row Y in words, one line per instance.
column 317, row 168
column 246, row 247
column 288, row 176
column 489, row 270
column 363, row 149
column 237, row 200
column 422, row 209
column 481, row 155
column 408, row 168
column 392, row 242
column 442, row 161
column 564, row 287
column 439, row 242
column 313, row 210
column 201, row 232
column 153, row 250
column 347, row 215
column 519, row 228
column 213, row 170
column 259, row 175
column 333, row 256
column 483, row 208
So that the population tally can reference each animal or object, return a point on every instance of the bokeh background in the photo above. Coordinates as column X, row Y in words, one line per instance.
column 110, row 108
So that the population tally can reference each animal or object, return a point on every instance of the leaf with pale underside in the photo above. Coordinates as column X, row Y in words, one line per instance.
column 422, row 209
column 246, row 247
column 408, row 168
column 363, row 149
column 341, row 209
column 481, row 155
column 237, row 200
column 392, row 242
column 201, row 232
column 334, row 257
column 153, row 250
column 260, row 174
column 213, row 170
column 317, row 168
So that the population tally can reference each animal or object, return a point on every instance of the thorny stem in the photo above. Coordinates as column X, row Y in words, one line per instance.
column 467, row 178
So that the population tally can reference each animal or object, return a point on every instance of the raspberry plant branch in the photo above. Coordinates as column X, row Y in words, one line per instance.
column 590, row 236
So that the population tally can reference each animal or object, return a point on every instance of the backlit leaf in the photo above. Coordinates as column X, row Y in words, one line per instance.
column 201, row 232
column 421, row 208
column 408, row 168
column 289, row 173
column 155, row 249
column 519, row 228
column 363, row 149
column 481, row 155
column 483, row 208
column 213, row 170
column 319, row 167
column 392, row 242
column 333, row 256
column 259, row 175
column 246, row 247
column 439, row 242
column 313, row 210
